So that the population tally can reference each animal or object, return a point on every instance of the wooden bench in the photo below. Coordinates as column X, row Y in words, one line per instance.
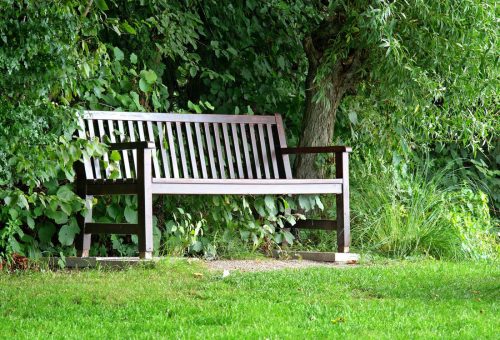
column 205, row 154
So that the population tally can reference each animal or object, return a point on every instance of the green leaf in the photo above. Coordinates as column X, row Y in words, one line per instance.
column 353, row 117
column 209, row 106
column 281, row 62
column 30, row 221
column 113, row 211
column 305, row 202
column 102, row 5
column 319, row 203
column 270, row 204
column 288, row 237
column 23, row 202
column 149, row 75
column 130, row 214
column 197, row 246
column 46, row 231
column 128, row 28
column 192, row 71
column 65, row 193
column 144, row 86
column 115, row 156
column 133, row 58
column 135, row 98
column 119, row 56
column 60, row 217
column 67, row 234
column 170, row 226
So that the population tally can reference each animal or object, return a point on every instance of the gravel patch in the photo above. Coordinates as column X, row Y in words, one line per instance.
column 267, row 265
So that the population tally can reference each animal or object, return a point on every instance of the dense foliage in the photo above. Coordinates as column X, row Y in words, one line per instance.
column 423, row 91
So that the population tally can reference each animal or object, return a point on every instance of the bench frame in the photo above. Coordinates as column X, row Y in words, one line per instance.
column 144, row 186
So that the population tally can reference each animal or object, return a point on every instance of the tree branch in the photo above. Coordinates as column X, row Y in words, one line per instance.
column 87, row 9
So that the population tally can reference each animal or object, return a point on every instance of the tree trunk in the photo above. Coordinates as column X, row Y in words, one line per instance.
column 320, row 110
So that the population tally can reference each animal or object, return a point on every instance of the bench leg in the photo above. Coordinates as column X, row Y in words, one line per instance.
column 145, row 205
column 145, row 215
column 342, row 200
column 82, row 242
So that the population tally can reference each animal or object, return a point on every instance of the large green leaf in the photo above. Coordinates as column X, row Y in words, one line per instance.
column 46, row 231
column 101, row 4
column 67, row 234
column 130, row 214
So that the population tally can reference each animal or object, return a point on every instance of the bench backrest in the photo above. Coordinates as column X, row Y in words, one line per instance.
column 207, row 146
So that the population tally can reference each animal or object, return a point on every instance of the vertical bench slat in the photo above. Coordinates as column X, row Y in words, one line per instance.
column 255, row 151
column 237, row 154
column 210, row 149
column 140, row 127
column 180, row 140
column 97, row 167
column 263, row 145
column 86, row 160
column 164, row 156
column 192, row 152
column 282, row 140
column 220, row 156
column 102, row 133
column 112, row 138
column 151, row 134
column 199, row 141
column 229, row 154
column 248, row 161
column 126, row 163
column 131, row 132
column 171, row 146
column 272, row 150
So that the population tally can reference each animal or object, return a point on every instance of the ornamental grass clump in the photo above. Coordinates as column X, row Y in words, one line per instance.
column 418, row 215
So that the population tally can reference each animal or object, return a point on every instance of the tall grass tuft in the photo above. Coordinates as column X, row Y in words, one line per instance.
column 421, row 213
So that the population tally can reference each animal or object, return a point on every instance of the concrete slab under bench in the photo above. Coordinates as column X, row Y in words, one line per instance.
column 343, row 258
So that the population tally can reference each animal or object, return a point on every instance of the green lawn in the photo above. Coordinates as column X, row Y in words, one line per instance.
column 393, row 300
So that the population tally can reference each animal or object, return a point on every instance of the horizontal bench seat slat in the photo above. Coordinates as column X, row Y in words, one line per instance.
column 242, row 189
column 245, row 181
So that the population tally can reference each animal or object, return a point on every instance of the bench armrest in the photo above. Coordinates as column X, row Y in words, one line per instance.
column 131, row 145
column 315, row 149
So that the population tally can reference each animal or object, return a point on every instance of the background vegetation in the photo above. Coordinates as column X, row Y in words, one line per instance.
column 410, row 85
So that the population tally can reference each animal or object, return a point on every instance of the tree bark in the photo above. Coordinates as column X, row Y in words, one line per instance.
column 320, row 111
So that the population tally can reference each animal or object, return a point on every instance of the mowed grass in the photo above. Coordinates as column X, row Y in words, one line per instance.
column 424, row 299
